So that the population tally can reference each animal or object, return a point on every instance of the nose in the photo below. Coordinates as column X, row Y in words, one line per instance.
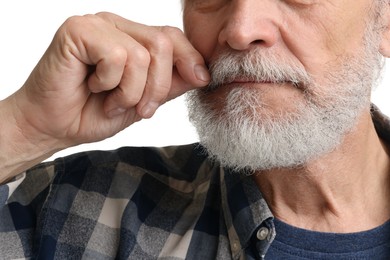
column 250, row 23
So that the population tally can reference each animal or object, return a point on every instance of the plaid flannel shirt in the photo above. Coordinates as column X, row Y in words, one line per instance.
column 137, row 203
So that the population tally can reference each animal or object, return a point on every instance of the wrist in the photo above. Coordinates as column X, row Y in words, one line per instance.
column 21, row 147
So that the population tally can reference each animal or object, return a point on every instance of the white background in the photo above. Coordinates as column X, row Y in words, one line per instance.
column 27, row 27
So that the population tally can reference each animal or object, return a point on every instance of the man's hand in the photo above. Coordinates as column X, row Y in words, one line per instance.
column 100, row 74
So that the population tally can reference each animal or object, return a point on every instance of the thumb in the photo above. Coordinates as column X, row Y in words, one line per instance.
column 179, row 85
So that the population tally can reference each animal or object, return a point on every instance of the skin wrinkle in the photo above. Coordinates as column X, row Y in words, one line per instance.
column 318, row 22
column 299, row 207
column 293, row 24
column 318, row 176
column 241, row 121
column 341, row 86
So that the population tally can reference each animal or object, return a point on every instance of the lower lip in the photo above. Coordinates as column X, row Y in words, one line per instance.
column 253, row 83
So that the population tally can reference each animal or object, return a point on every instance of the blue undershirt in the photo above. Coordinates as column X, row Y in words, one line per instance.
column 296, row 243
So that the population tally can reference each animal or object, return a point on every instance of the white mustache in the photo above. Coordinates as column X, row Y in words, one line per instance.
column 256, row 66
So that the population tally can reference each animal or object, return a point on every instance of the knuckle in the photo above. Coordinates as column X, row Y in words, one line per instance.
column 78, row 24
column 140, row 57
column 170, row 30
column 104, row 15
column 129, row 98
column 161, row 42
column 118, row 55
column 73, row 23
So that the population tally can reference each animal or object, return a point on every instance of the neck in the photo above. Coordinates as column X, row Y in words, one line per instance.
column 347, row 190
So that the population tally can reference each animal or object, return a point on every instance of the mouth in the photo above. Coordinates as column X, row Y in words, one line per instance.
column 261, row 83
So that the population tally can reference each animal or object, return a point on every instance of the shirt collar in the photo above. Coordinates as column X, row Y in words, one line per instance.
column 381, row 123
column 244, row 208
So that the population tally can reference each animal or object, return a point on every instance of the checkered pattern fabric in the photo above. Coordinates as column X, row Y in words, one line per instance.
column 136, row 203
column 132, row 203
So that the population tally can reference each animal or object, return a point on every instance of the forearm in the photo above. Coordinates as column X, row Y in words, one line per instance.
column 20, row 149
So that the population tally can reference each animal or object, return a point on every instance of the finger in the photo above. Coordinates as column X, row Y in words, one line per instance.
column 160, row 49
column 188, row 61
column 131, row 87
column 179, row 86
column 121, row 63
column 159, row 72
column 159, row 75
column 86, row 44
column 108, row 71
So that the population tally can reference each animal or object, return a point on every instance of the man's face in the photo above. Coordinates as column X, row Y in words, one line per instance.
column 289, row 75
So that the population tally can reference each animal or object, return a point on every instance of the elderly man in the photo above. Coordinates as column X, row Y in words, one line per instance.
column 293, row 157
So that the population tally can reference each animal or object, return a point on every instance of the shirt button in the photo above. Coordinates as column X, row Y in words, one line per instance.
column 262, row 233
column 235, row 246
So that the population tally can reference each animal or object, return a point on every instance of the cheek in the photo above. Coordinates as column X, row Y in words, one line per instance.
column 320, row 35
column 202, row 32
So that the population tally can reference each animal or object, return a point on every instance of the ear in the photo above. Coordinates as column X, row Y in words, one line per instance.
column 384, row 47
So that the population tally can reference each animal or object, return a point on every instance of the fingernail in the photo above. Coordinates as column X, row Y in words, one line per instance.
column 201, row 73
column 116, row 112
column 149, row 109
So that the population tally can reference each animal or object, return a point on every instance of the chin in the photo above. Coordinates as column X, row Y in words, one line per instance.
column 246, row 135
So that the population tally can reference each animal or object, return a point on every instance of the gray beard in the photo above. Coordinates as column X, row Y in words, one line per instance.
column 245, row 135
